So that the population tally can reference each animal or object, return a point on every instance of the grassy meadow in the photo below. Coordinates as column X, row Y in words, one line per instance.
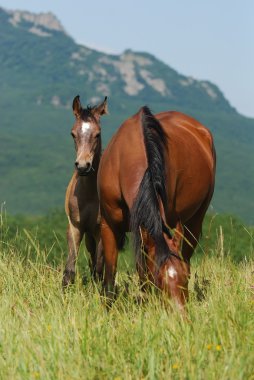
column 48, row 334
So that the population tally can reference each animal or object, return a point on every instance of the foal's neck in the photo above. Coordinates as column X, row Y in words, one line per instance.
column 91, row 180
column 96, row 162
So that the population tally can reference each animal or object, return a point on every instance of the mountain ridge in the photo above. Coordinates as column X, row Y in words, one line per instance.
column 135, row 70
column 45, row 19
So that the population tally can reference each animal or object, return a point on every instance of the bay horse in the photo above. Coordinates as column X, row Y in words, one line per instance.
column 81, row 201
column 157, row 174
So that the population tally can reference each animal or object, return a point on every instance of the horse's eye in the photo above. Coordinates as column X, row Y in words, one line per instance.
column 97, row 136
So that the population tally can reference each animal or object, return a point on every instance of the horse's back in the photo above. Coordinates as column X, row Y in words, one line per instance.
column 179, row 124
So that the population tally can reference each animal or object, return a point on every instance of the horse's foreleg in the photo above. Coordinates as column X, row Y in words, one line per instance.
column 74, row 237
column 110, row 250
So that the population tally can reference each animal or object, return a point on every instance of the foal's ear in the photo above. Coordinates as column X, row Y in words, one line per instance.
column 76, row 106
column 101, row 109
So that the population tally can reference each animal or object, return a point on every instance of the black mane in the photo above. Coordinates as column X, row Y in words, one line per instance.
column 145, row 212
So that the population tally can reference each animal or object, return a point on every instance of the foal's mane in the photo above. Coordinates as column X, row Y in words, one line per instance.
column 87, row 112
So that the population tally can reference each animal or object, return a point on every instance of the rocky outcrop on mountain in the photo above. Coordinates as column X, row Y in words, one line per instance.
column 38, row 22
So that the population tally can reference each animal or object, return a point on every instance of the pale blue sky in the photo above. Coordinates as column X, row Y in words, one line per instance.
column 206, row 39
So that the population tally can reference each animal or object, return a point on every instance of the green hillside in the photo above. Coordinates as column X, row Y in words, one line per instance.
column 42, row 69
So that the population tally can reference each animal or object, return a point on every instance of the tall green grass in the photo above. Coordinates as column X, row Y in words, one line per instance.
column 48, row 334
column 48, row 233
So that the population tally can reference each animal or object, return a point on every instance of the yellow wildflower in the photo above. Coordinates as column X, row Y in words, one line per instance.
column 175, row 366
column 209, row 346
column 218, row 347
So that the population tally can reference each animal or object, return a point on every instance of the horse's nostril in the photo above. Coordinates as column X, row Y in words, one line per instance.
column 85, row 168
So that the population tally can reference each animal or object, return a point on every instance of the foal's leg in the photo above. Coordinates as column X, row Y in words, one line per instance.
column 109, row 242
column 91, row 247
column 94, row 247
column 74, row 237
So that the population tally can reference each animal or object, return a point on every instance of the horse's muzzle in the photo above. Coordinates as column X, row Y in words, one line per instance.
column 84, row 170
column 84, row 173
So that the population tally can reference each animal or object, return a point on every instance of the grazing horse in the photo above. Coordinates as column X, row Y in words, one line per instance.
column 157, row 174
column 81, row 201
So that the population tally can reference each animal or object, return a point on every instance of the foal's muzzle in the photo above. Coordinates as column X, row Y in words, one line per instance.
column 83, row 170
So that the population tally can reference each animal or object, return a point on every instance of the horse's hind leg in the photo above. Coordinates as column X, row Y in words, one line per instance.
column 193, row 229
column 99, row 264
column 99, row 261
column 74, row 237
column 109, row 242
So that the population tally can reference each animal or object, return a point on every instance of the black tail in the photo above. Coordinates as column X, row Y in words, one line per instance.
column 145, row 212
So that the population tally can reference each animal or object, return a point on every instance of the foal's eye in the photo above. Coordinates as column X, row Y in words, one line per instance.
column 97, row 136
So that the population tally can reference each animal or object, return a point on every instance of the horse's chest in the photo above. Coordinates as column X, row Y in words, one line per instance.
column 84, row 212
column 89, row 216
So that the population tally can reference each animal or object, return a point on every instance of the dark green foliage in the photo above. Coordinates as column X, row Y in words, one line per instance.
column 226, row 235
column 30, row 235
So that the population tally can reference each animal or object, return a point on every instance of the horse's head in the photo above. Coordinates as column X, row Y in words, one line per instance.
column 174, row 273
column 86, row 133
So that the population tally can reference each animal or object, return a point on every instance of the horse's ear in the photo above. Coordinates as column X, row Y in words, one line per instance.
column 101, row 109
column 76, row 106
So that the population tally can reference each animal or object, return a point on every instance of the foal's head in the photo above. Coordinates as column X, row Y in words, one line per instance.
column 86, row 133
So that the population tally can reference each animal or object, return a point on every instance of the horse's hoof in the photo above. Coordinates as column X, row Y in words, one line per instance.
column 85, row 280
column 99, row 277
column 109, row 296
column 68, row 279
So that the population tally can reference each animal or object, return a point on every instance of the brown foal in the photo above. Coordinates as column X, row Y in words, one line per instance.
column 157, row 174
column 81, row 201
